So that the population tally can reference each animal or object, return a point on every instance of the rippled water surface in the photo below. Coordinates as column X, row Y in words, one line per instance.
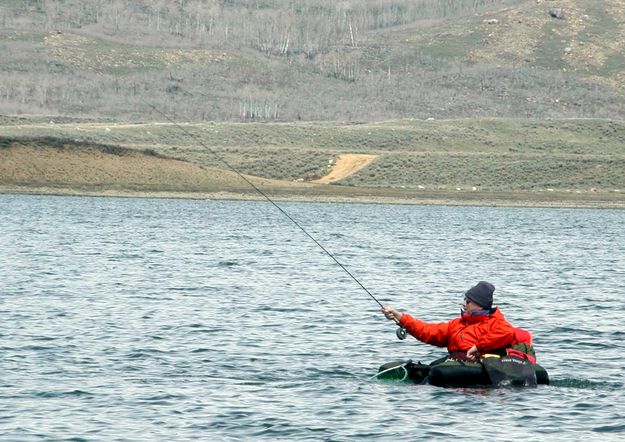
column 138, row 319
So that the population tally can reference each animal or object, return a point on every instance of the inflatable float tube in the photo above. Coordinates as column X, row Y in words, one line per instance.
column 445, row 372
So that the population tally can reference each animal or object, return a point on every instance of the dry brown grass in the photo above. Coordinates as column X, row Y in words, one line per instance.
column 32, row 164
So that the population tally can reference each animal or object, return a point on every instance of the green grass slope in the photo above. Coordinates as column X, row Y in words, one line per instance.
column 497, row 155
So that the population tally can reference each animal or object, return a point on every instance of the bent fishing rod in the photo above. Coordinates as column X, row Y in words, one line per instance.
column 401, row 331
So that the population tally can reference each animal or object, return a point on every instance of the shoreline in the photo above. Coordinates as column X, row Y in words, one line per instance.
column 356, row 196
column 128, row 168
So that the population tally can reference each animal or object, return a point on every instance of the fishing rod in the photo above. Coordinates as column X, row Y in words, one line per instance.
column 401, row 331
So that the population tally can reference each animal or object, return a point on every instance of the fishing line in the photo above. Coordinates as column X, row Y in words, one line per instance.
column 401, row 332
column 402, row 366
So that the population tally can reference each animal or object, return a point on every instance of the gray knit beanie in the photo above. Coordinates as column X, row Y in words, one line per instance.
column 481, row 294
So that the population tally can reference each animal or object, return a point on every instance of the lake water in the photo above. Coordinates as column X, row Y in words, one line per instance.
column 148, row 319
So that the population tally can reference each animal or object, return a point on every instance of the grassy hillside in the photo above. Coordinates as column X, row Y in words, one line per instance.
column 497, row 155
column 575, row 36
column 462, row 97
column 313, row 60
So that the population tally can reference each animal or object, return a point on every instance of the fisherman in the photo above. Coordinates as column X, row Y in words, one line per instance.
column 481, row 328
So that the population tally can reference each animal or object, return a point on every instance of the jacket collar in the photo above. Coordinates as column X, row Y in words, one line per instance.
column 478, row 316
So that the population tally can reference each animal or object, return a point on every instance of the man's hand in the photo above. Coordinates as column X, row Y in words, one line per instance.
column 473, row 354
column 392, row 314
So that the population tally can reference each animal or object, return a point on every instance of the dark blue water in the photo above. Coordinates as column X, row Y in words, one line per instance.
column 140, row 319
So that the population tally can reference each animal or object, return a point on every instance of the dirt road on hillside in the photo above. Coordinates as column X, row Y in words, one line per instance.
column 345, row 165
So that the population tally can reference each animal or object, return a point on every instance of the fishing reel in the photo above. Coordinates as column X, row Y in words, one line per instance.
column 401, row 333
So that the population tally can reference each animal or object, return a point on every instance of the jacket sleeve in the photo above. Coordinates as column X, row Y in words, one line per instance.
column 501, row 334
column 430, row 333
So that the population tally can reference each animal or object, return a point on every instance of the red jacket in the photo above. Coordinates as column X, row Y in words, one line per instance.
column 487, row 332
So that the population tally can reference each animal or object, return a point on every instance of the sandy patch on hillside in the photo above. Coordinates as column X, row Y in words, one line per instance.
column 345, row 165
column 37, row 164
column 30, row 164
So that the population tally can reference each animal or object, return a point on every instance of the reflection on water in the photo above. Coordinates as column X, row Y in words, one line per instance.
column 165, row 319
